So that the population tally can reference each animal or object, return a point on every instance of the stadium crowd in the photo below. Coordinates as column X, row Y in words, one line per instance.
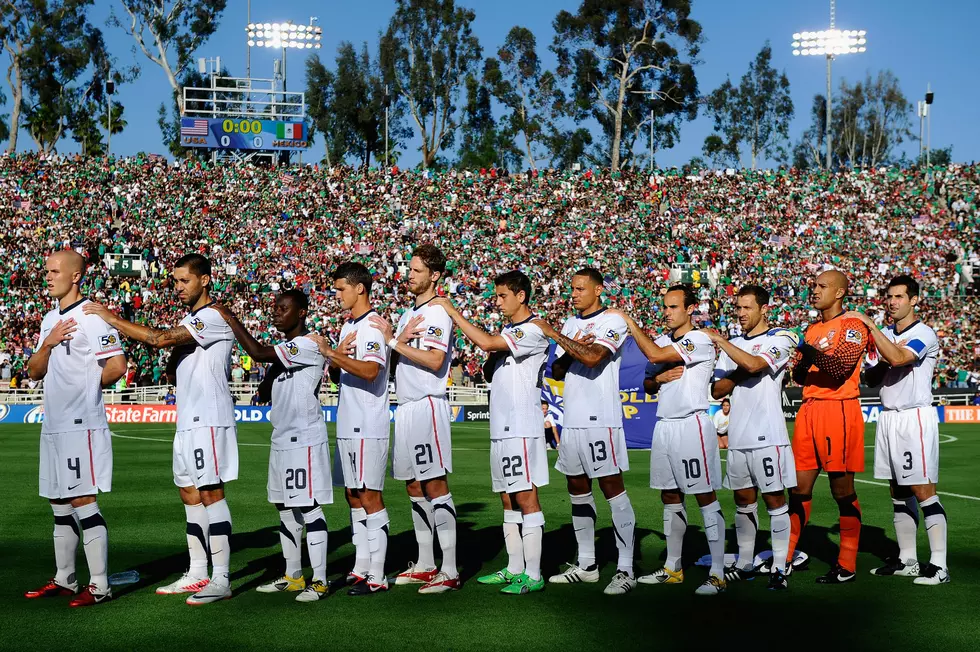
column 270, row 229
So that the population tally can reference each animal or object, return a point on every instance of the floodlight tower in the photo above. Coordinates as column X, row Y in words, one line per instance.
column 830, row 43
column 284, row 36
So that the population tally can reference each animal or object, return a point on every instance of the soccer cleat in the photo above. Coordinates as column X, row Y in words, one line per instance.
column 350, row 579
column 89, row 596
column 441, row 583
column 52, row 590
column 317, row 590
column 712, row 586
column 621, row 584
column 735, row 574
column 186, row 584
column 574, row 574
column 662, row 576
column 931, row 575
column 896, row 566
column 837, row 575
column 213, row 592
column 412, row 575
column 522, row 584
column 777, row 581
column 499, row 578
column 283, row 584
column 369, row 586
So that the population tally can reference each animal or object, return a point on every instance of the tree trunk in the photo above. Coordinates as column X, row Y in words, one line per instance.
column 17, row 95
column 618, row 123
column 755, row 142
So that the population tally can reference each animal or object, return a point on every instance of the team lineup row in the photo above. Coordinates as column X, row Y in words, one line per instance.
column 80, row 351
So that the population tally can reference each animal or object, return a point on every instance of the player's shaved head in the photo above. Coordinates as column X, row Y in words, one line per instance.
column 836, row 279
column 829, row 290
column 71, row 261
column 63, row 273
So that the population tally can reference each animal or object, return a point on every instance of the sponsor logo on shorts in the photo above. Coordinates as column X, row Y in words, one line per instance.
column 197, row 324
column 36, row 415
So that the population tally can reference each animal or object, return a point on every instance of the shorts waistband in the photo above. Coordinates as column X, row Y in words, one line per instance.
column 831, row 400
column 699, row 413
column 909, row 409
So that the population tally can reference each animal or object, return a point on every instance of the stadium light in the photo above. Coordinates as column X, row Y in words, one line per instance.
column 284, row 35
column 830, row 43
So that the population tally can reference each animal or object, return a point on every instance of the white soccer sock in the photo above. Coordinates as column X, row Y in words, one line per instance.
column 513, row 541
column 906, row 524
column 219, row 539
column 583, row 521
column 624, row 522
column 746, row 527
column 316, row 542
column 65, row 543
column 377, row 536
column 197, row 539
column 290, row 535
column 423, row 519
column 95, row 539
column 935, row 530
column 714, row 530
column 532, row 535
column 358, row 529
column 444, row 512
column 779, row 525
column 675, row 525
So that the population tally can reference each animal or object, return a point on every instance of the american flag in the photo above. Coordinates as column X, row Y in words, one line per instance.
column 193, row 127
column 288, row 179
column 23, row 204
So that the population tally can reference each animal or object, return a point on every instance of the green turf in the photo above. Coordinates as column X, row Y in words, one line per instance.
column 146, row 528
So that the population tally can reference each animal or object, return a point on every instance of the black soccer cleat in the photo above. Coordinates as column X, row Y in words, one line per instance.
column 896, row 566
column 777, row 581
column 837, row 575
column 735, row 574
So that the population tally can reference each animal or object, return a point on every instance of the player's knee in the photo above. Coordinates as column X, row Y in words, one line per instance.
column 578, row 485
column 612, row 485
column 774, row 500
column 435, row 487
column 281, row 507
column 922, row 492
column 414, row 489
column 81, row 501
column 671, row 497
column 745, row 496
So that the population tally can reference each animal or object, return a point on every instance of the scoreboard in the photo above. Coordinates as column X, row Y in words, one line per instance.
column 242, row 133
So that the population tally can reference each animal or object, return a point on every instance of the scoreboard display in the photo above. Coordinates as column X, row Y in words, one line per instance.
column 242, row 133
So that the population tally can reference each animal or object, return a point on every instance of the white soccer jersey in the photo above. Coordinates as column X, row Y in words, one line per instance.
column 911, row 386
column 414, row 382
column 689, row 393
column 515, row 392
column 591, row 397
column 362, row 411
column 73, row 384
column 296, row 415
column 756, row 419
column 203, row 397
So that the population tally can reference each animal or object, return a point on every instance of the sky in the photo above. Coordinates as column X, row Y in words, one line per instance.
column 922, row 43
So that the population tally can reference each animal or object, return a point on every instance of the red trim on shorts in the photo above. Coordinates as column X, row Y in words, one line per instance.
column 214, row 451
column 704, row 455
column 360, row 464
column 91, row 458
column 922, row 445
column 435, row 430
column 779, row 465
column 612, row 447
column 527, row 467
column 309, row 469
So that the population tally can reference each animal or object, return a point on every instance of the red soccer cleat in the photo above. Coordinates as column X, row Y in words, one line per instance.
column 416, row 576
column 88, row 597
column 51, row 590
column 442, row 583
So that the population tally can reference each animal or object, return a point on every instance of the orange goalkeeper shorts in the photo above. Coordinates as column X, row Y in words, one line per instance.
column 829, row 435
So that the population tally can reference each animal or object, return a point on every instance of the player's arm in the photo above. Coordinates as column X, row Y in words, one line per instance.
column 113, row 369
column 259, row 352
column 655, row 354
column 339, row 359
column 839, row 363
column 265, row 387
column 891, row 352
column 431, row 359
column 875, row 375
column 582, row 348
column 473, row 333
column 745, row 360
column 160, row 339
column 37, row 366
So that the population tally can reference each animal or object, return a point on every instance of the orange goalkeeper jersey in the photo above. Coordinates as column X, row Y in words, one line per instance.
column 836, row 373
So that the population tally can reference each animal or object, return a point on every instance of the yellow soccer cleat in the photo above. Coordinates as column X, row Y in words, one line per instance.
column 283, row 584
column 662, row 576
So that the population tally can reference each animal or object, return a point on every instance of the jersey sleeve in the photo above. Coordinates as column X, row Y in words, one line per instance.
column 778, row 352
column 298, row 352
column 612, row 334
column 724, row 366
column 438, row 330
column 525, row 340
column 922, row 342
column 105, row 339
column 371, row 346
column 207, row 327
column 695, row 347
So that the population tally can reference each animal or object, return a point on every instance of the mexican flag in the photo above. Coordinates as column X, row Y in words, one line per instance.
column 290, row 130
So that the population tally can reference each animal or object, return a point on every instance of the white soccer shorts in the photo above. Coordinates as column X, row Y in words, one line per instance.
column 361, row 463
column 684, row 455
column 907, row 446
column 205, row 456
column 423, row 446
column 769, row 469
column 300, row 476
column 74, row 464
column 518, row 464
column 595, row 452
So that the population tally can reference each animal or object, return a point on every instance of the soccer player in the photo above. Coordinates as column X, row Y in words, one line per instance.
column 363, row 426
column 593, row 445
column 829, row 433
column 684, row 456
column 422, row 452
column 77, row 355
column 751, row 368
column 907, row 433
column 299, row 462
column 205, row 453
column 721, row 420
column 518, row 459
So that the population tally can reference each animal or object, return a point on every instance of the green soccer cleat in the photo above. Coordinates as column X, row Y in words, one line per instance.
column 522, row 584
column 500, row 578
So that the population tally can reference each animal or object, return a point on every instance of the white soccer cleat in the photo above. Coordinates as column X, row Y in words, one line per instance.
column 213, row 592
column 283, row 584
column 712, row 586
column 574, row 574
column 317, row 590
column 621, row 584
column 930, row 575
column 186, row 584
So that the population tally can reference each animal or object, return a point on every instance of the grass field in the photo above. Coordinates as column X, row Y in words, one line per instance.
column 146, row 529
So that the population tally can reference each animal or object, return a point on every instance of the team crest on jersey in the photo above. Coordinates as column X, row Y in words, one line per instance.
column 373, row 347
column 831, row 334
column 518, row 334
column 292, row 349
column 853, row 335
column 756, row 349
column 614, row 336
column 435, row 331
column 198, row 324
column 108, row 340
column 775, row 352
